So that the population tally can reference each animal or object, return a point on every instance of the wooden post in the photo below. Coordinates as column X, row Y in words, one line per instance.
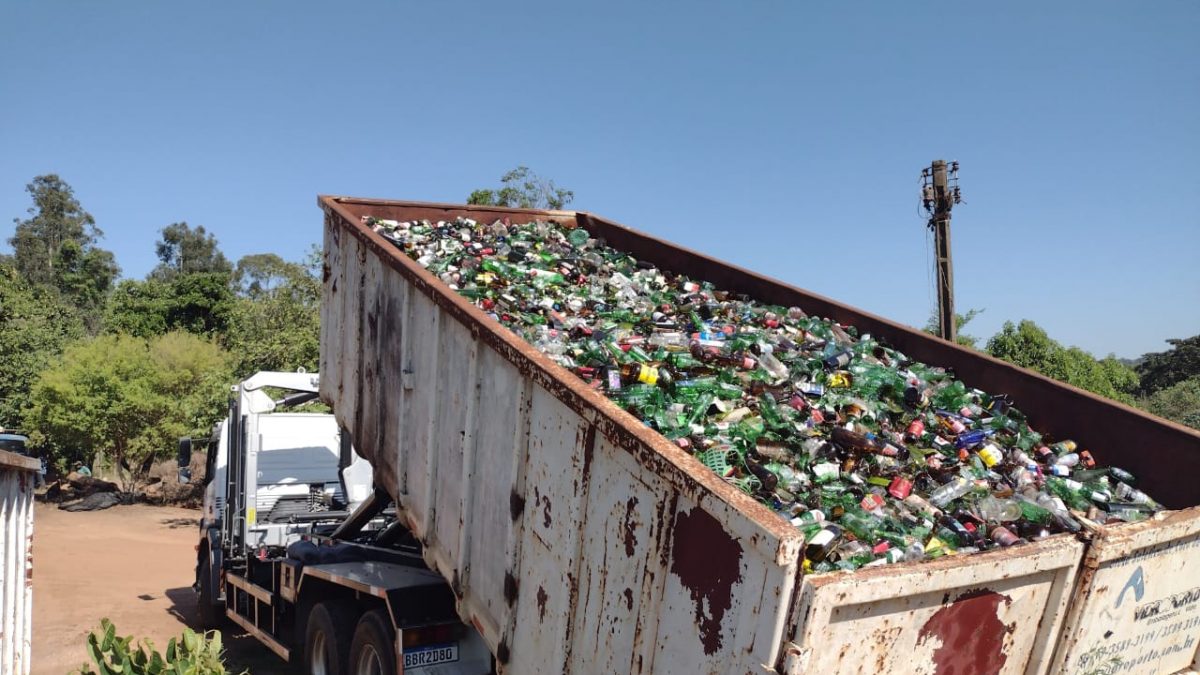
column 940, row 222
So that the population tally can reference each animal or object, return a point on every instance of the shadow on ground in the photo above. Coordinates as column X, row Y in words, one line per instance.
column 176, row 523
column 242, row 652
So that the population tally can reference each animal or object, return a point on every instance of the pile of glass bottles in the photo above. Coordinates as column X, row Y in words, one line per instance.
column 876, row 457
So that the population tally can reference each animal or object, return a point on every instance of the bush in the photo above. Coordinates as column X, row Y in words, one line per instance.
column 128, row 399
column 1179, row 402
column 192, row 654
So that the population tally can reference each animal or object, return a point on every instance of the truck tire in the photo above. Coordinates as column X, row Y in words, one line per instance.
column 208, row 612
column 373, row 651
column 327, row 639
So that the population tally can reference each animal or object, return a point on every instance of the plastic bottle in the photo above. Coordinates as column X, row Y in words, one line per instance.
column 948, row 492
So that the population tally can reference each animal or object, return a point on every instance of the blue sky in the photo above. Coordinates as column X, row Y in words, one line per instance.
column 785, row 137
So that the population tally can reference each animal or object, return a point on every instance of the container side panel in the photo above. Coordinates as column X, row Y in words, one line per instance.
column 554, row 478
column 993, row 613
column 423, row 364
column 406, row 378
column 1138, row 605
column 624, row 526
column 8, row 558
column 713, row 595
column 16, row 562
column 332, row 346
column 762, row 621
column 451, row 440
column 350, row 377
column 370, row 419
column 384, row 404
column 495, row 502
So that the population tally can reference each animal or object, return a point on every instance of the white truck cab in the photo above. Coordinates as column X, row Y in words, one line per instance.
column 300, row 549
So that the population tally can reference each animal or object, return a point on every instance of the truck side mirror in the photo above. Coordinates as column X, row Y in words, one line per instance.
column 184, row 459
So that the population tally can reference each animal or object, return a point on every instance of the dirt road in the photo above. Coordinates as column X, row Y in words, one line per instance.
column 132, row 564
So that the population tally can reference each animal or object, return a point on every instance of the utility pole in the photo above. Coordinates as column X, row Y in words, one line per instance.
column 939, row 194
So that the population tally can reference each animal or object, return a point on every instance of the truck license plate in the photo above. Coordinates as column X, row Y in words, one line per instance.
column 430, row 656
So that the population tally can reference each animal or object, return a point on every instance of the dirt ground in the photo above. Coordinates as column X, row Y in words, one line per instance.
column 132, row 564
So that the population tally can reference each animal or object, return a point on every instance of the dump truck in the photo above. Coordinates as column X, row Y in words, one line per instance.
column 567, row 536
column 279, row 482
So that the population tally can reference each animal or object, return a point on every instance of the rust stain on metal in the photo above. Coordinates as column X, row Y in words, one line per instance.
column 589, row 450
column 516, row 504
column 630, row 526
column 667, row 511
column 628, row 599
column 541, row 603
column 708, row 563
column 510, row 588
column 544, row 502
column 971, row 634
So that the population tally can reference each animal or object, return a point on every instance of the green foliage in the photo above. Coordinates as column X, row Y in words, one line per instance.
column 276, row 322
column 1179, row 402
column 1027, row 345
column 258, row 275
column 138, row 308
column 34, row 329
column 960, row 320
column 192, row 654
column 524, row 189
column 55, row 248
column 127, row 398
column 1162, row 370
column 202, row 303
column 184, row 250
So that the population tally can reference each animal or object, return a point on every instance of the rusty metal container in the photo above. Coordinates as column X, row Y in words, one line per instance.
column 579, row 540
column 1137, row 605
column 16, row 560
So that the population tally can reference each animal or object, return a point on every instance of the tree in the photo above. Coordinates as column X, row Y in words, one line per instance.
column 200, row 303
column 127, row 399
column 56, row 248
column 1027, row 345
column 276, row 322
column 257, row 275
column 524, row 189
column 960, row 320
column 1179, row 402
column 139, row 308
column 1161, row 370
column 184, row 250
column 35, row 326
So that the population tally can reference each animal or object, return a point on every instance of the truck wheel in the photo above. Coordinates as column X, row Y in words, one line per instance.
column 208, row 612
column 326, row 639
column 373, row 651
